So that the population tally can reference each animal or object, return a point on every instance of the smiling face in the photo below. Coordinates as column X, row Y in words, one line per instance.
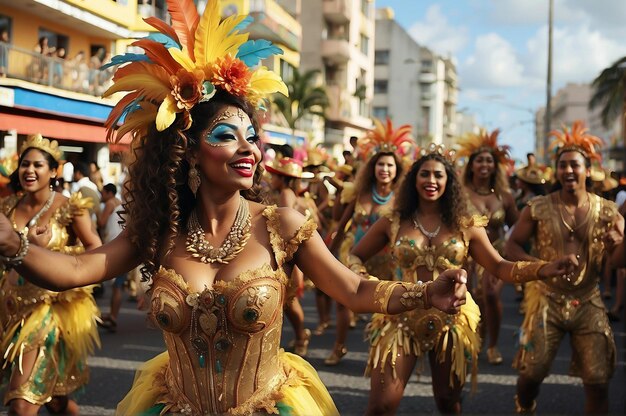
column 34, row 171
column 572, row 171
column 483, row 165
column 229, row 153
column 431, row 180
column 385, row 170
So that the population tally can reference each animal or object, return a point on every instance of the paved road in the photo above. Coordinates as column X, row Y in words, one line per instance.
column 112, row 370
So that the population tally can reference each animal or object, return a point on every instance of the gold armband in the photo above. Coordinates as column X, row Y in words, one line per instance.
column 382, row 294
column 416, row 295
column 356, row 265
column 525, row 271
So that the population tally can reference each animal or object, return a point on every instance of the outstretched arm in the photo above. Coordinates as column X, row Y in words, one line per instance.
column 521, row 234
column 56, row 271
column 362, row 295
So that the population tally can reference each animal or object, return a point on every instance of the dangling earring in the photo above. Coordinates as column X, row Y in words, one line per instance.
column 193, row 181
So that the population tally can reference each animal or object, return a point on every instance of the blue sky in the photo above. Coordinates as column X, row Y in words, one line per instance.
column 500, row 47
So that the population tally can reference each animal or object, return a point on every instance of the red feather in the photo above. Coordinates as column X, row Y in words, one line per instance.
column 162, row 27
column 185, row 20
column 158, row 54
column 116, row 113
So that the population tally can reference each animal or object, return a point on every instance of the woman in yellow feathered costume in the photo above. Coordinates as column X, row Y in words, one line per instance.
column 45, row 337
column 217, row 261
column 429, row 231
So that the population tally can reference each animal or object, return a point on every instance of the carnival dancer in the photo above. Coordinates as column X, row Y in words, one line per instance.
column 45, row 337
column 363, row 201
column 487, row 187
column 218, row 262
column 285, row 174
column 429, row 231
column 568, row 220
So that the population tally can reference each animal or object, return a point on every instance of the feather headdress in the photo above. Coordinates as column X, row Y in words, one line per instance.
column 576, row 139
column 184, row 64
column 483, row 141
column 383, row 138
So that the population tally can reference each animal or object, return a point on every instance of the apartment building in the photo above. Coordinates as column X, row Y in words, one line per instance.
column 338, row 39
column 412, row 84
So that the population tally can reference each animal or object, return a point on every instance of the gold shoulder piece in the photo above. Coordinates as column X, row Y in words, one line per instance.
column 348, row 194
column 76, row 205
column 608, row 210
column 305, row 232
column 540, row 207
column 474, row 220
column 6, row 204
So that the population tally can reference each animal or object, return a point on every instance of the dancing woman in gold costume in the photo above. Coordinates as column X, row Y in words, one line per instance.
column 363, row 202
column 430, row 231
column 216, row 261
column 45, row 337
column 486, row 185
column 568, row 220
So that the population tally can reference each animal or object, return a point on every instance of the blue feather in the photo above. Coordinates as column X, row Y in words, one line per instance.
column 163, row 39
column 127, row 57
column 243, row 24
column 253, row 51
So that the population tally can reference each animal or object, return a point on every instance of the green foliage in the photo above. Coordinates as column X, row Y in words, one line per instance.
column 610, row 93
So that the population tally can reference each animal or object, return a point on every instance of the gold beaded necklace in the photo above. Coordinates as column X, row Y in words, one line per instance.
column 235, row 241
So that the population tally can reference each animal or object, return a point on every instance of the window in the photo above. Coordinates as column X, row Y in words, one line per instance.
column 380, row 112
column 365, row 43
column 5, row 27
column 380, row 86
column 381, row 57
column 286, row 70
column 365, row 8
column 55, row 40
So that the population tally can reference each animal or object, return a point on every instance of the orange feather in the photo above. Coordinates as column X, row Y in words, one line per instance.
column 185, row 20
column 158, row 54
column 162, row 27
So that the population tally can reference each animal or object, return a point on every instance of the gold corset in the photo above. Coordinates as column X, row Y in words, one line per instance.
column 550, row 245
column 223, row 342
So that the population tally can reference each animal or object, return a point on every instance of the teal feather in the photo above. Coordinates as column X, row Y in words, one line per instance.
column 127, row 57
column 243, row 24
column 283, row 409
column 164, row 40
column 252, row 51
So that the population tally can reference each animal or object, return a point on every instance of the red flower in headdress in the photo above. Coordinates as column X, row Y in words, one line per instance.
column 230, row 74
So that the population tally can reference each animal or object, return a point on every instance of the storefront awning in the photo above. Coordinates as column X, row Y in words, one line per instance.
column 56, row 129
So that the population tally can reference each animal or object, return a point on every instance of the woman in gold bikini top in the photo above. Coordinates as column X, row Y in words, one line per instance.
column 487, row 188
column 430, row 231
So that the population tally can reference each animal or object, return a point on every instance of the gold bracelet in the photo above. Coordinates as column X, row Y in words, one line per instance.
column 382, row 300
column 526, row 271
column 416, row 295
column 16, row 259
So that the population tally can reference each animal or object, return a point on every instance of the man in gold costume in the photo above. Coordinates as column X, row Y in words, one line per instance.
column 568, row 220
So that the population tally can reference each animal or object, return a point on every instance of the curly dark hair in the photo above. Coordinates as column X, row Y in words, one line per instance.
column 158, row 199
column 452, row 203
column 366, row 177
column 14, row 178
column 498, row 180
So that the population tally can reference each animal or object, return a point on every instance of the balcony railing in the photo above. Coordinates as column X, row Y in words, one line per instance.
column 66, row 74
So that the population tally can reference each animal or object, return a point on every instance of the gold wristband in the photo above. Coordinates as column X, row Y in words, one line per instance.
column 416, row 295
column 382, row 294
column 526, row 271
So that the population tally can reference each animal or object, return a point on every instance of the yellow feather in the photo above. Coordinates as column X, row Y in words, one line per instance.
column 267, row 82
column 167, row 113
column 214, row 39
column 138, row 120
column 152, row 88
column 182, row 58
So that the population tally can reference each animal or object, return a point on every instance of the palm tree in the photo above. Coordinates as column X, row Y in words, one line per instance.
column 610, row 94
column 304, row 98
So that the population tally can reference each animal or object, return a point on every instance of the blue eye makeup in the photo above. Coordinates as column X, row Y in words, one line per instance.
column 252, row 136
column 222, row 134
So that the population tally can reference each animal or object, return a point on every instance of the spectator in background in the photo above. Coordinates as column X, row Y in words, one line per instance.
column 4, row 52
column 109, row 226
column 79, row 72
column 86, row 187
column 95, row 175
column 95, row 62
column 58, row 66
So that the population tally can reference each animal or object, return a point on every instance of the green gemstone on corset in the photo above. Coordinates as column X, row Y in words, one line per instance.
column 202, row 360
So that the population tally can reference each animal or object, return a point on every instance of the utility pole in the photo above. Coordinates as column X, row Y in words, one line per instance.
column 548, row 115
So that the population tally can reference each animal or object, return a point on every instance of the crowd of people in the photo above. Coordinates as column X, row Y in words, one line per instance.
column 227, row 241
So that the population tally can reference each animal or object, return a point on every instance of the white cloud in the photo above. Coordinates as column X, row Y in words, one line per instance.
column 579, row 54
column 436, row 33
column 493, row 63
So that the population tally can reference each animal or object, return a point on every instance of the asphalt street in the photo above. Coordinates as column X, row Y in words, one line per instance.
column 113, row 367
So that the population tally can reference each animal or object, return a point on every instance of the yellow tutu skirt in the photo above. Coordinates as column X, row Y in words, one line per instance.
column 305, row 396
